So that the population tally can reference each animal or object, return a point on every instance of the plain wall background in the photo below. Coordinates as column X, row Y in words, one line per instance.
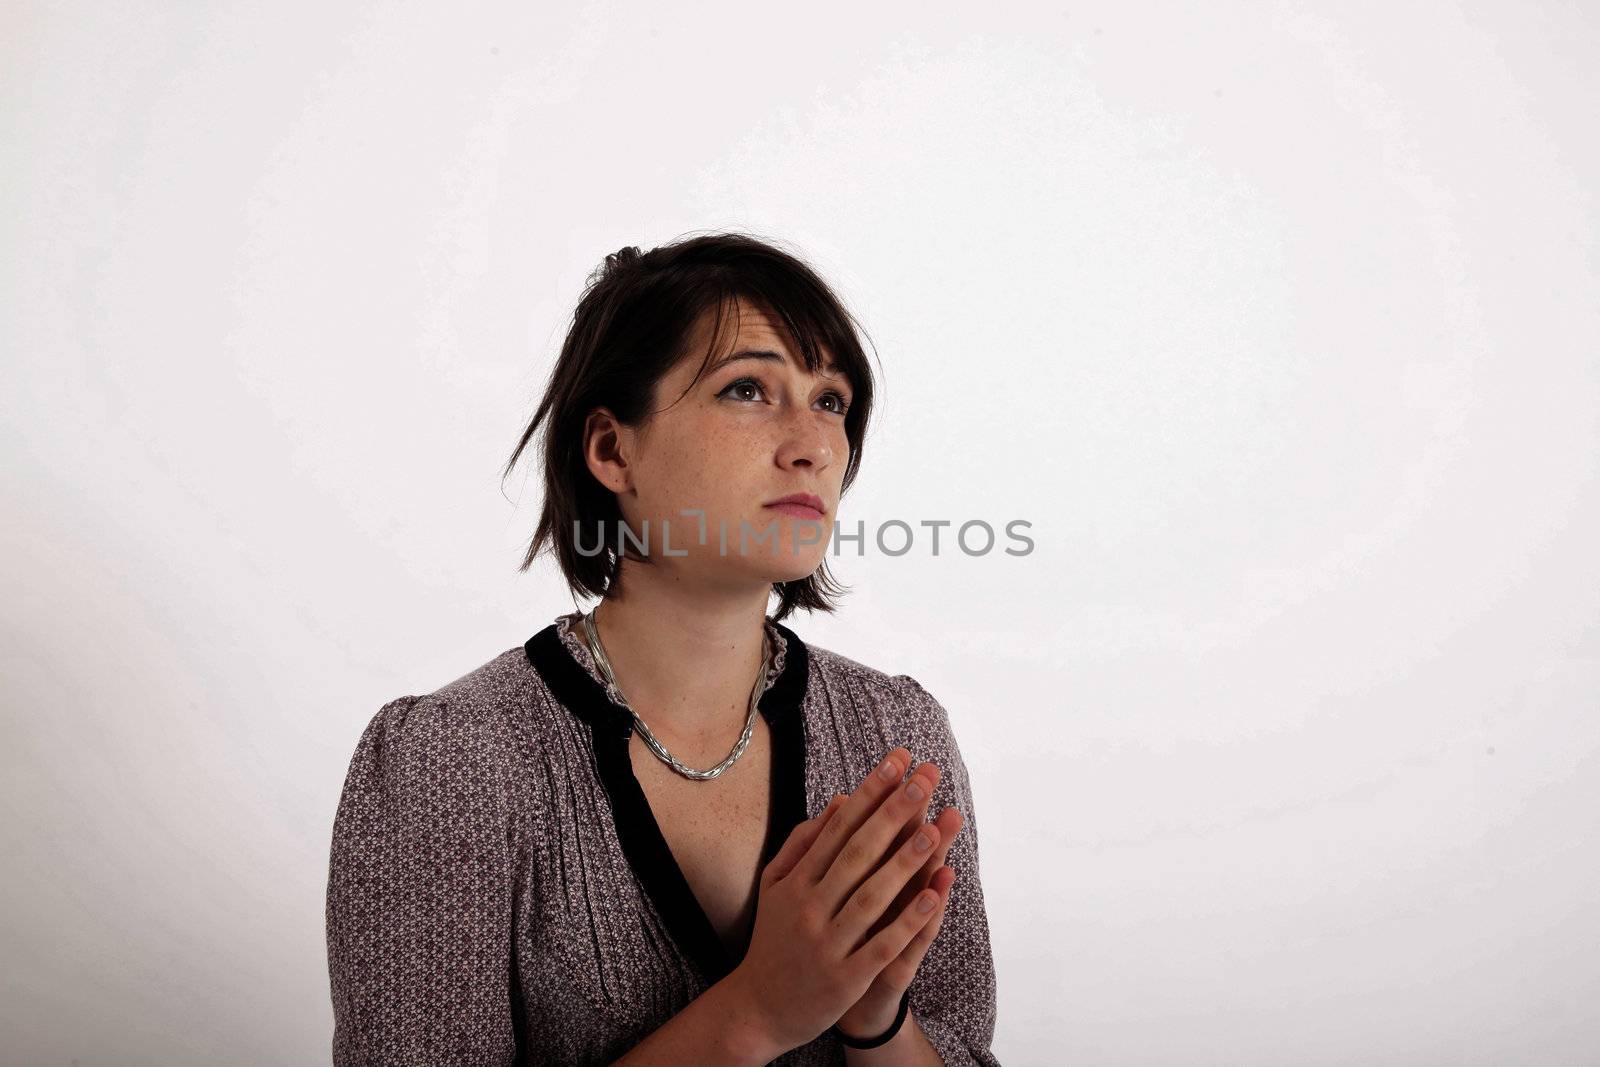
column 1277, row 321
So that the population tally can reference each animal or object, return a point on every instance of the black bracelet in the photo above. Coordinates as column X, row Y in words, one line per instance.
column 887, row 1035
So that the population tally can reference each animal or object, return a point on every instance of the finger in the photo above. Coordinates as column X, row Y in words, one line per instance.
column 903, row 875
column 799, row 840
column 883, row 948
column 898, row 975
column 915, row 820
column 922, row 875
column 870, row 844
column 879, row 783
column 816, row 823
column 950, row 823
column 878, row 893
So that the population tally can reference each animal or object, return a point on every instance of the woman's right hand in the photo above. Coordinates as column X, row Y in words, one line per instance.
column 811, row 956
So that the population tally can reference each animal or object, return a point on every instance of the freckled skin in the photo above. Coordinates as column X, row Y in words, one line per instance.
column 729, row 452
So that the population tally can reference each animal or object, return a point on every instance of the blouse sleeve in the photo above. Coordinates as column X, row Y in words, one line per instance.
column 953, row 993
column 419, row 894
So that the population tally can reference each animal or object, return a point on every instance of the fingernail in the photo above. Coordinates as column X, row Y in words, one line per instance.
column 889, row 771
column 913, row 790
column 922, row 843
column 925, row 904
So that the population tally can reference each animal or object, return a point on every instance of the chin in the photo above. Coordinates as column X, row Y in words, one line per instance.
column 783, row 554
column 781, row 566
column 799, row 568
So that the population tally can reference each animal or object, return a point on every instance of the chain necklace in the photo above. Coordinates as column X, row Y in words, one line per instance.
column 644, row 731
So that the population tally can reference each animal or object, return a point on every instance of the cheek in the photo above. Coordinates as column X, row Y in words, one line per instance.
column 706, row 460
column 727, row 441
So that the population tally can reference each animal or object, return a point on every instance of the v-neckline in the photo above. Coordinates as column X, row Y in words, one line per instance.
column 638, row 832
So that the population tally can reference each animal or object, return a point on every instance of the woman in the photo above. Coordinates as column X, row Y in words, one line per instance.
column 667, row 830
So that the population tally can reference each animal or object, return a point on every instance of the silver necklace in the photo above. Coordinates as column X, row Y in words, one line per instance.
column 644, row 731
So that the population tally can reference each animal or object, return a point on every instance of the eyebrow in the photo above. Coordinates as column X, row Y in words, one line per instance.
column 766, row 355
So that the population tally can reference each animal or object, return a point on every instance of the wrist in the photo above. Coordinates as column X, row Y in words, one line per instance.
column 874, row 1029
column 748, row 1034
column 869, row 1019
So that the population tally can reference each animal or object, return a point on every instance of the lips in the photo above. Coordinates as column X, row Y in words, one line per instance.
column 800, row 505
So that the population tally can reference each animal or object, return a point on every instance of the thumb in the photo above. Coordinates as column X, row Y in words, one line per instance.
column 799, row 843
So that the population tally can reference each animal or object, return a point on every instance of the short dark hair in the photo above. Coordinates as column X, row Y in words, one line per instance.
column 630, row 328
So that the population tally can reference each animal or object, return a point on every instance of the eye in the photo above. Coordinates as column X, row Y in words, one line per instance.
column 843, row 401
column 731, row 386
column 840, row 400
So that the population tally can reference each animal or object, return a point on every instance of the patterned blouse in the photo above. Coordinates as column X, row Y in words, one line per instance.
column 499, row 891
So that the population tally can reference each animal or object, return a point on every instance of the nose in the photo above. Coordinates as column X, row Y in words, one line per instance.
column 806, row 445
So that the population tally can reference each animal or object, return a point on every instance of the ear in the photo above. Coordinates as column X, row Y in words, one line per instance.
column 607, row 444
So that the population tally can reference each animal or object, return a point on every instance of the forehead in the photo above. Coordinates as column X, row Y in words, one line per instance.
column 747, row 335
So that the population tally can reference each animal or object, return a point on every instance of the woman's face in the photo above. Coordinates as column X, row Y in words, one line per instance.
column 755, row 428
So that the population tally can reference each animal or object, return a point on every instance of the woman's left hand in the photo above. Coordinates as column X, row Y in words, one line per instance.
column 876, row 1010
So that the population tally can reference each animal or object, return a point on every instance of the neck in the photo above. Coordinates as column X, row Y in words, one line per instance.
column 686, row 660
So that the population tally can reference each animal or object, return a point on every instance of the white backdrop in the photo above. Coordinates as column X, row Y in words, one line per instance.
column 1277, row 322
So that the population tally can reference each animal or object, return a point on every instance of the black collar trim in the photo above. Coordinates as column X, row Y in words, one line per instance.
column 639, row 834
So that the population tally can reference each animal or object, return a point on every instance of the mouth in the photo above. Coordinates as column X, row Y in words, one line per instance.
column 799, row 505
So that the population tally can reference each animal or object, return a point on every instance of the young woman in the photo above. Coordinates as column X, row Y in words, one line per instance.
column 666, row 830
